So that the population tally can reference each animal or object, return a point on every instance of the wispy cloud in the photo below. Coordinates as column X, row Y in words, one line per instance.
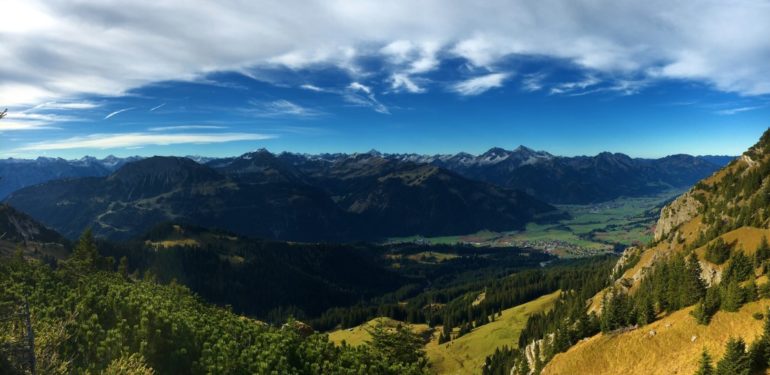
column 733, row 111
column 533, row 82
column 11, row 125
column 575, row 87
column 42, row 117
column 157, row 107
column 280, row 108
column 71, row 105
column 399, row 82
column 128, row 140
column 479, row 85
column 185, row 127
column 310, row 87
column 26, row 120
column 362, row 95
column 117, row 112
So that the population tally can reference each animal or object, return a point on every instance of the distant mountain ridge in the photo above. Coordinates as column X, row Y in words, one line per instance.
column 555, row 179
column 258, row 194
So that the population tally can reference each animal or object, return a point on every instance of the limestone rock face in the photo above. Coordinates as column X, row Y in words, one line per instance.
column 678, row 212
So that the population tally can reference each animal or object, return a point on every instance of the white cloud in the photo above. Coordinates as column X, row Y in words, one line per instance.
column 11, row 125
column 111, row 114
column 400, row 82
column 478, row 85
column 59, row 49
column 575, row 87
column 279, row 108
column 733, row 111
column 157, row 107
column 355, row 86
column 129, row 140
column 362, row 95
column 184, row 127
column 33, row 120
column 533, row 82
column 68, row 105
column 310, row 87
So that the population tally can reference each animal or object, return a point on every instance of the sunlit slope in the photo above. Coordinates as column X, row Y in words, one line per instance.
column 671, row 345
column 466, row 354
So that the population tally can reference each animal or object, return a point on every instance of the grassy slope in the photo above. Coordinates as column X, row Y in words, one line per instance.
column 670, row 351
column 466, row 354
column 360, row 334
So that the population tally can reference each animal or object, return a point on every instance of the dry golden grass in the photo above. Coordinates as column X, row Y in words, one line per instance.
column 670, row 351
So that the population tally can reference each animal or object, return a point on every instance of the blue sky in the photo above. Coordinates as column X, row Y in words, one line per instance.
column 571, row 78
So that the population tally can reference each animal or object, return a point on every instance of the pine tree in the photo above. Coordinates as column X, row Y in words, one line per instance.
column 763, row 252
column 750, row 291
column 85, row 253
column 123, row 267
column 693, row 287
column 732, row 297
column 736, row 360
column 645, row 311
column 740, row 267
column 700, row 314
column 717, row 252
column 759, row 353
column 398, row 345
column 704, row 366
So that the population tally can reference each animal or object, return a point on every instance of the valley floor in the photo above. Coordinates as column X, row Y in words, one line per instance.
column 592, row 229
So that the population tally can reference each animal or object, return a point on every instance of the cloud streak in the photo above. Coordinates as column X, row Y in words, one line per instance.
column 733, row 111
column 129, row 140
column 157, row 107
column 112, row 114
column 185, row 127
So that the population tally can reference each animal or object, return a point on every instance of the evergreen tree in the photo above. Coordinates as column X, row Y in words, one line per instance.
column 732, row 296
column 740, row 267
column 759, row 353
column 398, row 345
column 704, row 366
column 645, row 311
column 750, row 292
column 85, row 253
column 123, row 267
column 699, row 313
column 763, row 252
column 736, row 360
column 718, row 251
column 693, row 287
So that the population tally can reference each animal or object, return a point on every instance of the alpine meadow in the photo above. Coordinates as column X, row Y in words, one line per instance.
column 384, row 188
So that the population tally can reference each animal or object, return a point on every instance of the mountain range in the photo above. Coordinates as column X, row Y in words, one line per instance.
column 257, row 194
column 554, row 179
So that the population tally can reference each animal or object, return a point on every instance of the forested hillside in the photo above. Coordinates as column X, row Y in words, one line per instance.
column 90, row 317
